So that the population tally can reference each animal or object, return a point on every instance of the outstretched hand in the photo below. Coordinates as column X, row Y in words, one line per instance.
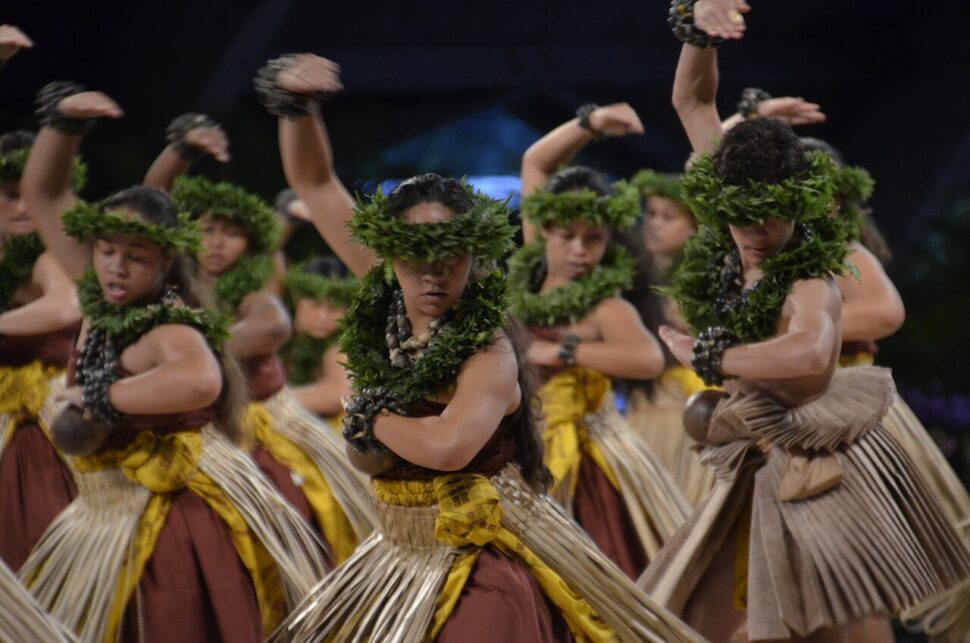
column 12, row 40
column 89, row 105
column 721, row 18
column 681, row 345
column 309, row 73
column 618, row 119
column 211, row 140
column 792, row 110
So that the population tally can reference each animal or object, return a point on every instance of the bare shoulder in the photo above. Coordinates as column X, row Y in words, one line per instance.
column 176, row 339
column 613, row 309
column 820, row 292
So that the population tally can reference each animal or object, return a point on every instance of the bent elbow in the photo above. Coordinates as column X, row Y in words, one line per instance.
column 207, row 388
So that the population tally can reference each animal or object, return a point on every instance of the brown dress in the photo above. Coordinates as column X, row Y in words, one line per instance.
column 35, row 484
column 501, row 600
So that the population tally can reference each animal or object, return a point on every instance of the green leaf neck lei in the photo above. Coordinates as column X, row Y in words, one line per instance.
column 20, row 253
column 303, row 355
column 476, row 318
column 126, row 324
column 707, row 283
column 569, row 302
column 250, row 273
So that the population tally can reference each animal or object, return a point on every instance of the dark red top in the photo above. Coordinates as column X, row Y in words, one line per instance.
column 52, row 349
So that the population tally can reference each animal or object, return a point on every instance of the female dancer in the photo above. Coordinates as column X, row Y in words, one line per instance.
column 174, row 535
column 319, row 293
column 565, row 288
column 467, row 548
column 815, row 502
column 39, row 318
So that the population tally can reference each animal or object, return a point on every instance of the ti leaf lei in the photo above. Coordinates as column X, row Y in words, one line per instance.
column 569, row 302
column 126, row 324
column 478, row 315
column 250, row 273
column 705, row 298
column 303, row 355
column 20, row 253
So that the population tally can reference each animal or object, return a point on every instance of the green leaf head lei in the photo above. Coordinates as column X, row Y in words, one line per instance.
column 818, row 247
column 300, row 284
column 853, row 187
column 86, row 221
column 619, row 209
column 650, row 183
column 483, row 232
column 199, row 196
column 12, row 166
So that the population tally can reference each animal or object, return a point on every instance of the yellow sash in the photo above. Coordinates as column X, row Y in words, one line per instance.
column 23, row 391
column 686, row 380
column 566, row 398
column 164, row 465
column 327, row 511
column 862, row 358
column 470, row 515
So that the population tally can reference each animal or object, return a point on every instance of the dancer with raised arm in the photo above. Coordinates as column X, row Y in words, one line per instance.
column 175, row 535
column 468, row 548
column 821, row 512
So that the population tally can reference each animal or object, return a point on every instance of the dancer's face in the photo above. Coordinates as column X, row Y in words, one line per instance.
column 129, row 268
column 667, row 226
column 762, row 240
column 575, row 249
column 430, row 289
column 223, row 243
column 317, row 318
column 14, row 219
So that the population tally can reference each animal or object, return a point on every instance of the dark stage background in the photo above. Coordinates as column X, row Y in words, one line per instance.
column 464, row 87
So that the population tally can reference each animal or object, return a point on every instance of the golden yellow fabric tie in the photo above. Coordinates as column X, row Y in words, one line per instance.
column 163, row 465
column 862, row 358
column 23, row 391
column 686, row 380
column 470, row 516
column 566, row 398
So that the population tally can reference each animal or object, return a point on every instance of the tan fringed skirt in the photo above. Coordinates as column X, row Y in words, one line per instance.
column 842, row 524
column 421, row 576
column 22, row 619
column 659, row 421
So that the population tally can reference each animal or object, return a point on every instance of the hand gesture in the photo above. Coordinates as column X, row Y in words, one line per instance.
column 12, row 40
column 721, row 18
column 544, row 353
column 618, row 119
column 89, row 105
column 211, row 140
column 72, row 395
column 308, row 74
column 681, row 345
column 792, row 110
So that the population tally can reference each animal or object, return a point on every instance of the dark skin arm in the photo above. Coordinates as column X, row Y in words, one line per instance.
column 262, row 328
column 308, row 162
column 46, row 183
column 325, row 396
column 871, row 306
column 486, row 390
column 170, row 164
column 694, row 95
column 56, row 308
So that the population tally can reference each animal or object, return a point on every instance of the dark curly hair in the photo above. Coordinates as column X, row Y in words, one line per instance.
column 327, row 266
column 429, row 188
column 578, row 178
column 764, row 150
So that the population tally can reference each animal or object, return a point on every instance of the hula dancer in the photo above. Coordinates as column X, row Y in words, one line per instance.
column 39, row 319
column 175, row 534
column 566, row 289
column 319, row 293
column 820, row 508
column 468, row 545
column 294, row 448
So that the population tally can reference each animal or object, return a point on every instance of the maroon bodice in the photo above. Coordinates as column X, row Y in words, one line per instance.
column 52, row 349
column 492, row 458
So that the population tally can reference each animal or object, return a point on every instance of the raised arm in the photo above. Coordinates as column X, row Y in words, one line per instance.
column 871, row 306
column 12, row 40
column 325, row 396
column 56, row 308
column 694, row 96
column 263, row 326
column 308, row 159
column 486, row 390
column 46, row 182
column 558, row 147
column 190, row 137
column 793, row 110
